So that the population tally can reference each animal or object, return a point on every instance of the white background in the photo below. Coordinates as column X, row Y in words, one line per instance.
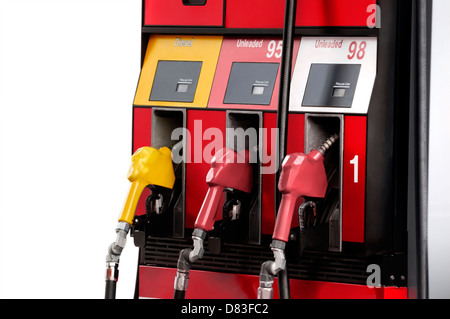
column 68, row 73
column 439, row 166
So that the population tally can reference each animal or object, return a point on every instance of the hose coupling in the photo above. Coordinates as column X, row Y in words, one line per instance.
column 112, row 271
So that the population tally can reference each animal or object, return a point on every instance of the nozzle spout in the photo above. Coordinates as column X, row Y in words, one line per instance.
column 323, row 149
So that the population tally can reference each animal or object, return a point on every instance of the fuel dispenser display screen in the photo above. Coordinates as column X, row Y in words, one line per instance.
column 175, row 81
column 251, row 83
column 331, row 85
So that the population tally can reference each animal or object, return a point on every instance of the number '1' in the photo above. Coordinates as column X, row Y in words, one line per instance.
column 355, row 162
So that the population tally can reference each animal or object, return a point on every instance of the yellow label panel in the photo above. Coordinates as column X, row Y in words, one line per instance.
column 165, row 53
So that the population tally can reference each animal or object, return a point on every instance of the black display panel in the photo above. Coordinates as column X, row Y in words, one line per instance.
column 175, row 81
column 251, row 83
column 331, row 85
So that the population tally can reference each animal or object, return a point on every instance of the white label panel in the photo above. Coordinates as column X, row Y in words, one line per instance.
column 335, row 50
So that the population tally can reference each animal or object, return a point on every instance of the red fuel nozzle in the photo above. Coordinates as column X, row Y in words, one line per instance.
column 301, row 175
column 228, row 170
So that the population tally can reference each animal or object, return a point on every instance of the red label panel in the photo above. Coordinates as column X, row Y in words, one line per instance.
column 253, row 50
column 142, row 136
column 319, row 13
column 334, row 13
column 198, row 122
column 142, row 127
column 175, row 13
column 254, row 14
column 296, row 134
column 268, row 180
column 354, row 179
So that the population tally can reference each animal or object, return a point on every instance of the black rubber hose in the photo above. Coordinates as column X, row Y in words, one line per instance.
column 283, row 112
column 422, row 100
column 285, row 76
column 283, row 284
column 110, row 289
column 179, row 294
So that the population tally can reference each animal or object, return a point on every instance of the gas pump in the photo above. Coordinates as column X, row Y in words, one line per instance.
column 327, row 96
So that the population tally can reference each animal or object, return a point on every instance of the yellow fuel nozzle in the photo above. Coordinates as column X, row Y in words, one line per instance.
column 149, row 166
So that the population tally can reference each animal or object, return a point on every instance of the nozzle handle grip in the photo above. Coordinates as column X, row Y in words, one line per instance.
column 284, row 217
column 207, row 215
column 131, row 202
